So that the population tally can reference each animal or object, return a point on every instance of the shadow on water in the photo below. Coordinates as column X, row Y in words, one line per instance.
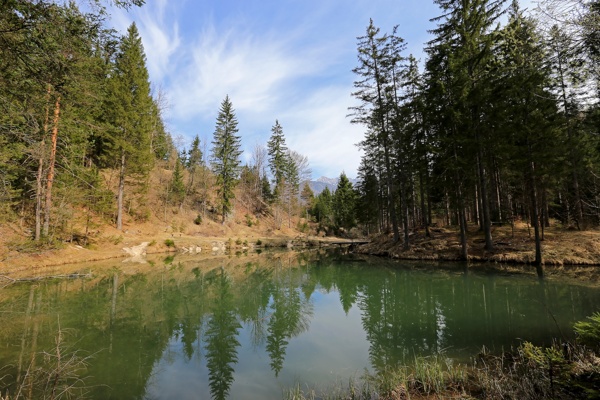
column 246, row 327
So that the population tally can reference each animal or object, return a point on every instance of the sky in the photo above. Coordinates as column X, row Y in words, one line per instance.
column 285, row 60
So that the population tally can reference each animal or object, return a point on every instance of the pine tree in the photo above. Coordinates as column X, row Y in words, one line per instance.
column 278, row 157
column 529, row 109
column 568, row 77
column 178, row 190
column 226, row 155
column 323, row 209
column 194, row 161
column 307, row 195
column 379, row 58
column 344, row 200
column 129, row 106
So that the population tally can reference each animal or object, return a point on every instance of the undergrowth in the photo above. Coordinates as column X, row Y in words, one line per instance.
column 560, row 371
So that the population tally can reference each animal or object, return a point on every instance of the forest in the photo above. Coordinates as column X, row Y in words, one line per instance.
column 498, row 124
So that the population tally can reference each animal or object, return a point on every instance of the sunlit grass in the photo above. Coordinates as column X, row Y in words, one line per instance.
column 560, row 371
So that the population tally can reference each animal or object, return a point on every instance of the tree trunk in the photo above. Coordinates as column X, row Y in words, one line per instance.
column 535, row 221
column 464, row 249
column 39, row 192
column 391, row 192
column 39, row 184
column 51, row 163
column 404, row 201
column 485, row 205
column 424, row 212
column 121, row 191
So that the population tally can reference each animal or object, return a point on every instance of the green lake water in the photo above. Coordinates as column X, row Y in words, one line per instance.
column 249, row 327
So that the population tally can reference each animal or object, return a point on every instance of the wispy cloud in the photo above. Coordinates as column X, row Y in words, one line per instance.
column 319, row 129
column 254, row 71
column 290, row 61
column 159, row 30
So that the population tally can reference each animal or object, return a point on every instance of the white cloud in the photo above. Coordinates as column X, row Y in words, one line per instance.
column 159, row 32
column 319, row 129
column 256, row 73
column 160, row 35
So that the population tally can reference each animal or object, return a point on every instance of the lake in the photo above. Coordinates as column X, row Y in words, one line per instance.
column 251, row 326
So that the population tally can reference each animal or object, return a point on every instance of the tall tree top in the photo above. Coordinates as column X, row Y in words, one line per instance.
column 226, row 144
column 277, row 150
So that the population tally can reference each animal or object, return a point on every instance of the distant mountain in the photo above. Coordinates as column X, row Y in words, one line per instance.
column 323, row 182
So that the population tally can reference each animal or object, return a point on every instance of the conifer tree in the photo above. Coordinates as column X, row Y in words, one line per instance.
column 226, row 153
column 130, row 105
column 194, row 161
column 344, row 200
column 178, row 189
column 529, row 111
column 378, row 58
column 278, row 157
column 307, row 195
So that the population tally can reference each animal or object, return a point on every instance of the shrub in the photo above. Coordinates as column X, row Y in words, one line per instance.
column 169, row 243
column 588, row 331
column 259, row 242
column 198, row 220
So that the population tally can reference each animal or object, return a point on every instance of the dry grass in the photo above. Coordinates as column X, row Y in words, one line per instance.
column 147, row 219
column 560, row 246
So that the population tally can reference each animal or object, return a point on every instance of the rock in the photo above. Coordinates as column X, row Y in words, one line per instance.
column 192, row 249
column 136, row 251
column 218, row 247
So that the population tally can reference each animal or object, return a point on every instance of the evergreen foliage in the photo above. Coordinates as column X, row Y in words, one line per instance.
column 129, row 105
column 344, row 200
column 178, row 189
column 226, row 153
column 500, row 125
column 278, row 157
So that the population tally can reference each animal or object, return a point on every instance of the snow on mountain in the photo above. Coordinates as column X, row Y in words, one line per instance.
column 323, row 182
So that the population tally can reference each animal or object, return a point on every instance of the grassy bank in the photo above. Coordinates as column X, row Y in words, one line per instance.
column 512, row 244
column 561, row 371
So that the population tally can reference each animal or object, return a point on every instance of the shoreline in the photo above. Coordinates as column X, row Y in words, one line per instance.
column 512, row 248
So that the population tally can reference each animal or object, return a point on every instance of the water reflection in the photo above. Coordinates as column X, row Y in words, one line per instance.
column 221, row 339
column 243, row 328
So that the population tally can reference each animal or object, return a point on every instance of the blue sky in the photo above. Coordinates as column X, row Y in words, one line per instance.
column 289, row 60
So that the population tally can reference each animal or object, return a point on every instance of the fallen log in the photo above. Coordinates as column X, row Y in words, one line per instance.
column 10, row 280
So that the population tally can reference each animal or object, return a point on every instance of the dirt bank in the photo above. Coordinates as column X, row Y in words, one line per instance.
column 511, row 245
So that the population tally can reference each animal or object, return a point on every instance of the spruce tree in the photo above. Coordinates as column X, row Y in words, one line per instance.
column 278, row 157
column 226, row 153
column 530, row 109
column 194, row 161
column 178, row 190
column 344, row 200
column 307, row 195
column 379, row 57
column 129, row 106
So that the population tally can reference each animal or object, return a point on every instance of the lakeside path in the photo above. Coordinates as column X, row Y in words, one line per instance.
column 19, row 264
column 561, row 247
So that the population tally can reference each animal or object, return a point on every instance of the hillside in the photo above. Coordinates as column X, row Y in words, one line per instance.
column 83, row 234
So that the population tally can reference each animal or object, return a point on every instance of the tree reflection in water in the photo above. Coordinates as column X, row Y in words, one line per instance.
column 147, row 331
column 221, row 340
